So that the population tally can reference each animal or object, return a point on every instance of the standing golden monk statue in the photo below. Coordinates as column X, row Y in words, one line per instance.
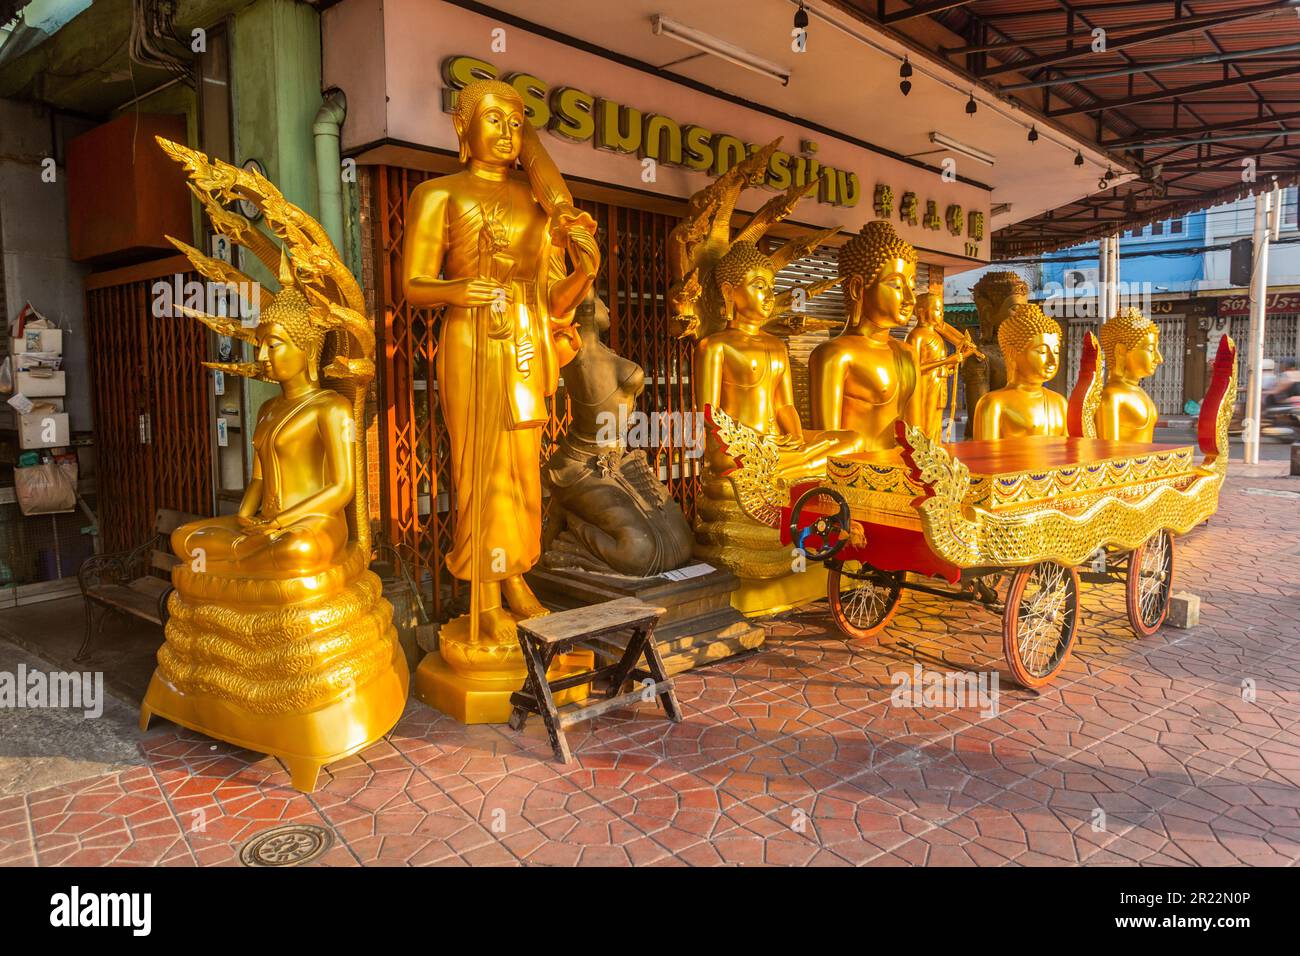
column 1031, row 345
column 488, row 246
column 723, row 294
column 995, row 295
column 279, row 639
column 864, row 379
column 1131, row 344
column 937, row 366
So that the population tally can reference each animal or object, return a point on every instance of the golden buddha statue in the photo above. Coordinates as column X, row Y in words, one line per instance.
column 745, row 372
column 488, row 246
column 995, row 295
column 929, row 340
column 1131, row 343
column 864, row 380
column 1030, row 342
column 279, row 639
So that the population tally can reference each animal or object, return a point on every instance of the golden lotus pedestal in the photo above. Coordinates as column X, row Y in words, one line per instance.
column 307, row 669
column 473, row 682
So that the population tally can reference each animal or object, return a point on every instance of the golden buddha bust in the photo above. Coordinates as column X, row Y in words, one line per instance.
column 1131, row 343
column 865, row 379
column 488, row 245
column 1030, row 342
column 279, row 638
column 995, row 295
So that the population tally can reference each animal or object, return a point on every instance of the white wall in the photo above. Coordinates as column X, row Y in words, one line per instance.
column 1232, row 221
column 33, row 217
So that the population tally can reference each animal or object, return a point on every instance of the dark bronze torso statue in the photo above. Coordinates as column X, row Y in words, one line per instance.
column 608, row 511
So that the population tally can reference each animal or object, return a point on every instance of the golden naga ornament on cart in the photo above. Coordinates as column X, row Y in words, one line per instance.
column 722, row 293
column 1131, row 343
column 488, row 245
column 279, row 639
column 1030, row 342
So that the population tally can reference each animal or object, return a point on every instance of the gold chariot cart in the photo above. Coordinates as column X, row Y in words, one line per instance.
column 1040, row 513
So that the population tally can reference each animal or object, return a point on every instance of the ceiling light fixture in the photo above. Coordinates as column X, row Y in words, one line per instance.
column 801, row 17
column 1033, row 134
column 665, row 26
column 1078, row 158
column 939, row 139
column 971, row 107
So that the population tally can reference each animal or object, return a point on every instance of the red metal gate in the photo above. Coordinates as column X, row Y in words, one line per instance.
column 414, row 446
column 152, row 437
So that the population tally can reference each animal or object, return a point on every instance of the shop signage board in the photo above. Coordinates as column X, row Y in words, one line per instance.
column 400, row 63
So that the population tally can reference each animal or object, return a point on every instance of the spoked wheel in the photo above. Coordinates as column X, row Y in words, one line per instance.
column 1040, row 622
column 1149, row 583
column 862, row 603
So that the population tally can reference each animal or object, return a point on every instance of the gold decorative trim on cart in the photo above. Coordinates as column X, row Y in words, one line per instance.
column 1006, row 490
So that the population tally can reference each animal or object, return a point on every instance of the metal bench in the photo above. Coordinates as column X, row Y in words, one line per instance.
column 619, row 631
column 136, row 583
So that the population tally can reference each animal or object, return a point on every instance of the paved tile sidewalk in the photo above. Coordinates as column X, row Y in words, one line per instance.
column 1146, row 751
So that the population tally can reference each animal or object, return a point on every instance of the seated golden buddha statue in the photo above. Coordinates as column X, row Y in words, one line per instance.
column 864, row 380
column 1131, row 344
column 608, row 510
column 745, row 372
column 1030, row 342
column 279, row 639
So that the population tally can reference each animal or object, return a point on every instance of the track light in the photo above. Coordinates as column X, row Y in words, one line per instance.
column 971, row 106
column 940, row 139
column 1078, row 158
column 1033, row 134
column 801, row 17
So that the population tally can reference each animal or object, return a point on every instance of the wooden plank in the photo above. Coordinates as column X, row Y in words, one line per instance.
column 572, row 714
column 588, row 622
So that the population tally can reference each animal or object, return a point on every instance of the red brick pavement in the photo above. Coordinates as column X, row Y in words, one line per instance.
column 1141, row 752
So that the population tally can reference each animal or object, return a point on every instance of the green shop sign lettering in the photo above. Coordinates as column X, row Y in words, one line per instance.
column 579, row 116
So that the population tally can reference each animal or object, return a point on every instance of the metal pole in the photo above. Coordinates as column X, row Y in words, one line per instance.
column 1103, row 279
column 1114, row 276
column 1255, row 351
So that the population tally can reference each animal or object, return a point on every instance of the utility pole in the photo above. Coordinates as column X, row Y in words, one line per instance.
column 1264, row 204
column 1107, row 278
column 1113, row 303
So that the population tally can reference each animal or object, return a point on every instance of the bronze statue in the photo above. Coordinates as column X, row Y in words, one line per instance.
column 995, row 294
column 608, row 511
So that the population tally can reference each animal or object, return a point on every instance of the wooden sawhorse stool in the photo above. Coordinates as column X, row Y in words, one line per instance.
column 621, row 631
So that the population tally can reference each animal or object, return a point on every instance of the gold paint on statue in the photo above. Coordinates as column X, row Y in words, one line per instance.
column 1031, row 345
column 1131, row 344
column 722, row 293
column 937, row 366
column 279, row 639
column 864, row 379
column 488, row 246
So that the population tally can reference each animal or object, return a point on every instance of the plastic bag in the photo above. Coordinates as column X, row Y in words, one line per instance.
column 44, row 489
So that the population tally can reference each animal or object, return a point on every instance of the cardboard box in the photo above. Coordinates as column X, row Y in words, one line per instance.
column 39, row 340
column 43, row 430
column 41, row 386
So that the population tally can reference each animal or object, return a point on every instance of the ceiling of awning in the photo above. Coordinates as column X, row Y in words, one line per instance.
column 1189, row 89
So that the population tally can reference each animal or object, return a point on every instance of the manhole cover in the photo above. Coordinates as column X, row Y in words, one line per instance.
column 290, row 845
